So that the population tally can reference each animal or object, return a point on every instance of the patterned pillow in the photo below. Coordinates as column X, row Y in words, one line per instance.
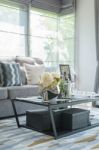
column 10, row 74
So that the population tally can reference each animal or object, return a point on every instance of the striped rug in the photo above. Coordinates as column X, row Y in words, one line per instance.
column 13, row 138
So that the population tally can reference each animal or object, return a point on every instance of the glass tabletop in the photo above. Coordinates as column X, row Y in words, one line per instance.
column 72, row 99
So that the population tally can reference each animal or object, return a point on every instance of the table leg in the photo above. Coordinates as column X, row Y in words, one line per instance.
column 53, row 123
column 15, row 113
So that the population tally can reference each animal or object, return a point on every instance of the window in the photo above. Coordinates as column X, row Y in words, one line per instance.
column 43, row 29
column 12, row 30
column 66, row 39
column 45, row 34
column 52, row 38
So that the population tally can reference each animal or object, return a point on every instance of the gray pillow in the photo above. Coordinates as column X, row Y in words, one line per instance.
column 23, row 76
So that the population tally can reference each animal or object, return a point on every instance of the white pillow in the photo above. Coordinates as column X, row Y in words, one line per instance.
column 33, row 73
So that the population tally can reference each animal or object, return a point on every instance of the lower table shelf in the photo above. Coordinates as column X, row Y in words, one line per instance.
column 62, row 133
column 56, row 133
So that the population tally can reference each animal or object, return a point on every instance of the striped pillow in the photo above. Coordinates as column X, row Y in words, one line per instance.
column 10, row 74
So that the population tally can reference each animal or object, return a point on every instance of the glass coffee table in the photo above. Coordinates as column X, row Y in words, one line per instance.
column 61, row 104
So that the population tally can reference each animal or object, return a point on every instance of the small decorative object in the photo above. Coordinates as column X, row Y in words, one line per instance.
column 65, row 71
column 65, row 88
column 65, row 84
column 49, row 84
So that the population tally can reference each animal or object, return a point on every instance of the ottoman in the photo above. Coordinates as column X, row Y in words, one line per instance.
column 40, row 119
column 75, row 118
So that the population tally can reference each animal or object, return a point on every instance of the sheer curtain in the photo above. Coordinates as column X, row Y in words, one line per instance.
column 97, row 44
column 96, row 87
column 13, row 24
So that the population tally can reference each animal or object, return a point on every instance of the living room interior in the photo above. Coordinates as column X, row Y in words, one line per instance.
column 49, row 75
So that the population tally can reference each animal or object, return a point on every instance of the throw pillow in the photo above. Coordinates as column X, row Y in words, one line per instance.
column 23, row 75
column 10, row 74
column 33, row 73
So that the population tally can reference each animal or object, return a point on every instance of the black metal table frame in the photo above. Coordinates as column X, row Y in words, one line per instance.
column 52, row 107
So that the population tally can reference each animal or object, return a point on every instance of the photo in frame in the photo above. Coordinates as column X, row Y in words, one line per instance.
column 65, row 71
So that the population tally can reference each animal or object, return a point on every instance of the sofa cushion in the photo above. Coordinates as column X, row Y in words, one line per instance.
column 23, row 91
column 3, row 93
column 8, row 59
column 28, row 60
column 38, row 61
column 10, row 74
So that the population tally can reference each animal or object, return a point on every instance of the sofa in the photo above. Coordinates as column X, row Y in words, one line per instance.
column 24, row 90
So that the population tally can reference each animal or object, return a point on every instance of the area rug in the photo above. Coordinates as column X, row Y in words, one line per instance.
column 13, row 138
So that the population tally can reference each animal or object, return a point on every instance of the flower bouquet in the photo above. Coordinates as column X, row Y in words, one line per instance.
column 49, row 85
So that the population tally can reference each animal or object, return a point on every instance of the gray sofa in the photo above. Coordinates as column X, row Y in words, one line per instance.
column 11, row 92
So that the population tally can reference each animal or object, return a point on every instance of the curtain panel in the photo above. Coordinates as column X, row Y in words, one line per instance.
column 96, row 88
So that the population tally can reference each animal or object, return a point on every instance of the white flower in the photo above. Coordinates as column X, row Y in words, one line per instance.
column 46, row 79
column 49, row 80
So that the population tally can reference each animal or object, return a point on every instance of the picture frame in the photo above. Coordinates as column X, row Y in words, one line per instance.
column 65, row 71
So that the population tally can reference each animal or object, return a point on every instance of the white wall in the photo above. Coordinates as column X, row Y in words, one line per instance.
column 86, row 46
